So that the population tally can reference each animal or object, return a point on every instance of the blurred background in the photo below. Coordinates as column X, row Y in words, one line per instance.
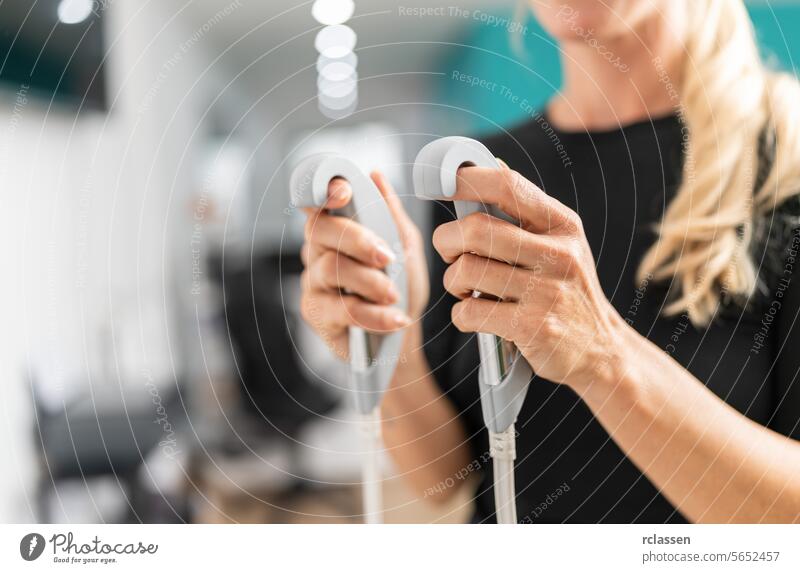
column 154, row 366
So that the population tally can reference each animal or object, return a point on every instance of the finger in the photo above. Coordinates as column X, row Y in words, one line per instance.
column 340, row 192
column 489, row 316
column 515, row 196
column 492, row 238
column 310, row 252
column 408, row 230
column 334, row 271
column 390, row 196
column 339, row 195
column 345, row 235
column 331, row 312
column 470, row 273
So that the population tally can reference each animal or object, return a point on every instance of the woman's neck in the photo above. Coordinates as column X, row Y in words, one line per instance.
column 608, row 83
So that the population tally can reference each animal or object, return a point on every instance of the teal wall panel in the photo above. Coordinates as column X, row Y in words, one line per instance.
column 501, row 72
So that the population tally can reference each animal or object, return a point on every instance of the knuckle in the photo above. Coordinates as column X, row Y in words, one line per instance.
column 363, row 242
column 472, row 267
column 574, row 253
column 519, row 239
column 569, row 269
column 516, row 192
column 382, row 291
column 364, row 315
column 572, row 250
column 475, row 227
column 559, row 295
column 568, row 257
column 466, row 265
column 514, row 181
column 551, row 326
column 572, row 224
column 350, row 305
column 528, row 281
column 328, row 264
column 354, row 312
column 462, row 273
column 516, row 185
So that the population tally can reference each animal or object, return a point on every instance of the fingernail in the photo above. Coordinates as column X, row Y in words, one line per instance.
column 383, row 255
column 339, row 193
column 401, row 319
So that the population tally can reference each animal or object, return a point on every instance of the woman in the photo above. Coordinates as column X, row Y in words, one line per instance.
column 649, row 284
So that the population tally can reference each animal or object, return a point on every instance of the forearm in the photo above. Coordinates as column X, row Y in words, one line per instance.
column 711, row 462
column 421, row 429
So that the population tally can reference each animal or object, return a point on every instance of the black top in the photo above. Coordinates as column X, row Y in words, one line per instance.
column 568, row 469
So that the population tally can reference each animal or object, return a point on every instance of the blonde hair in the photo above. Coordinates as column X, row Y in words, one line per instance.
column 734, row 109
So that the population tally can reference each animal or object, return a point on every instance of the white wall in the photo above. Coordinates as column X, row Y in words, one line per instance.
column 94, row 233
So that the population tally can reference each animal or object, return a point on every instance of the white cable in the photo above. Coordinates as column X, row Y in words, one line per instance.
column 503, row 449
column 371, row 467
column 370, row 434
column 502, row 445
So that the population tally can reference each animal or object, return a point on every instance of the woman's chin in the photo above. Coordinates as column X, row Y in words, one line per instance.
column 579, row 20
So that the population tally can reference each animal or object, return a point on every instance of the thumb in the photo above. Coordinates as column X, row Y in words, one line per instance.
column 392, row 200
column 409, row 234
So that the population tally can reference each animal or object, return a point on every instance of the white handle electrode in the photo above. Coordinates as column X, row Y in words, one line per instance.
column 504, row 374
column 373, row 356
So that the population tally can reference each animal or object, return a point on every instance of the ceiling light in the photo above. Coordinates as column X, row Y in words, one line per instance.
column 331, row 12
column 337, row 68
column 338, row 103
column 335, row 41
column 337, row 89
column 337, row 73
column 74, row 11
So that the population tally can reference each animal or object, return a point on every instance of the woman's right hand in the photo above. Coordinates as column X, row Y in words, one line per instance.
column 344, row 283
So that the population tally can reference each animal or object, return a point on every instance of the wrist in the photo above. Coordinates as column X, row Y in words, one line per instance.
column 616, row 364
column 412, row 370
column 411, row 358
column 412, row 341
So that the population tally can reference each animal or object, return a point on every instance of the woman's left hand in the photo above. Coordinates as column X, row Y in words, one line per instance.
column 541, row 271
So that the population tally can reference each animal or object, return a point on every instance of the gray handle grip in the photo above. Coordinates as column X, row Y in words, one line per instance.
column 309, row 188
column 435, row 171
